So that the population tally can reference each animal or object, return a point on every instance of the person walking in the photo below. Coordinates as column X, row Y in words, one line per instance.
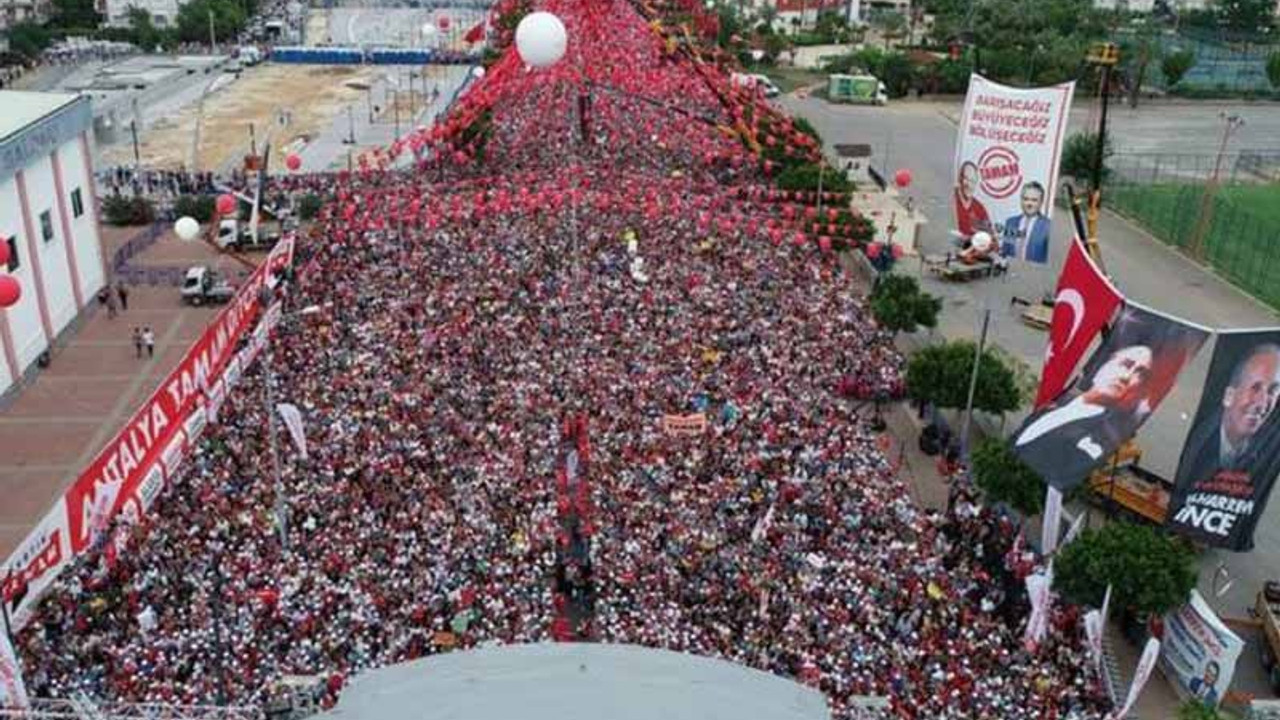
column 122, row 292
column 149, row 340
column 111, row 303
column 137, row 342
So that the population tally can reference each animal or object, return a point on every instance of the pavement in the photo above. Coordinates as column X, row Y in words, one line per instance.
column 51, row 430
column 921, row 136
column 330, row 149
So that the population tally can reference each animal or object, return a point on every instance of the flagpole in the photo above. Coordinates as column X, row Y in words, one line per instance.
column 973, row 381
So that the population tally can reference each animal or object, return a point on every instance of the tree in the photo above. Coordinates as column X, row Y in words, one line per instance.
column 193, row 20
column 1005, row 478
column 1273, row 70
column 891, row 25
column 940, row 374
column 1080, row 153
column 1247, row 16
column 1150, row 572
column 309, row 206
column 28, row 39
column 899, row 306
column 74, row 15
column 1176, row 65
column 144, row 33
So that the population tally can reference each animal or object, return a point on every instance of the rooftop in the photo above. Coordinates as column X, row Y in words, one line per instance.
column 22, row 108
column 572, row 681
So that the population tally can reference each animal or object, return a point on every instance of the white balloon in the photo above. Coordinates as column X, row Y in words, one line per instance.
column 478, row 72
column 982, row 241
column 187, row 228
column 428, row 31
column 541, row 39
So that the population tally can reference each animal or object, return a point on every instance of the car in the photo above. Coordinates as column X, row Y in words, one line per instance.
column 203, row 285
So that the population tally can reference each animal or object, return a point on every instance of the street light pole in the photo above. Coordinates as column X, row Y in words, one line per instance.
column 1233, row 123
column 973, row 381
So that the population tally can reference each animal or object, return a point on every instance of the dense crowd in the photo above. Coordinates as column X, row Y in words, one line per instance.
column 623, row 263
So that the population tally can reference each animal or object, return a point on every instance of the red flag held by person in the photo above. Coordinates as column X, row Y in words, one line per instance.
column 475, row 34
column 1085, row 301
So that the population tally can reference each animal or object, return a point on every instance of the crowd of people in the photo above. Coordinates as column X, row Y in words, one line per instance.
column 579, row 374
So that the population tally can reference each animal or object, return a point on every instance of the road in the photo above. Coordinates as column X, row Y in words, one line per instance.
column 921, row 136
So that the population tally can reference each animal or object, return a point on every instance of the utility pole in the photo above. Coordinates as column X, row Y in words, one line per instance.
column 1105, row 55
column 213, row 39
column 395, row 105
column 1233, row 123
column 137, row 157
column 253, row 141
column 351, row 120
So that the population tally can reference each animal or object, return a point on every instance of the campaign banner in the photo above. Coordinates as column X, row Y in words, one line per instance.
column 1232, row 454
column 1128, row 376
column 13, row 693
column 690, row 424
column 1200, row 652
column 1006, row 164
column 1141, row 674
column 132, row 465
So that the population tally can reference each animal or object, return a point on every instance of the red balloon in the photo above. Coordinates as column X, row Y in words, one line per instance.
column 873, row 250
column 10, row 291
column 293, row 162
column 902, row 178
column 226, row 204
column 442, row 22
column 4, row 253
column 898, row 252
column 824, row 244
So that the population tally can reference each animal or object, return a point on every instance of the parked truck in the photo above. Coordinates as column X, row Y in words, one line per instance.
column 856, row 89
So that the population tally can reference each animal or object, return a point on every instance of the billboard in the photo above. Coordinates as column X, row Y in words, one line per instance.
column 1232, row 454
column 1006, row 164
column 1200, row 652
column 1126, row 379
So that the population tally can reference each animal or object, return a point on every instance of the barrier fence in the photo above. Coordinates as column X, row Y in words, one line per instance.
column 1235, row 229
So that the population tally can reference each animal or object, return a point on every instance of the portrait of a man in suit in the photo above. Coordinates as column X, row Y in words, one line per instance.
column 1228, row 440
column 1026, row 235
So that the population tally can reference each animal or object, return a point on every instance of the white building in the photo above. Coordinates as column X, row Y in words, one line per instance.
column 49, row 220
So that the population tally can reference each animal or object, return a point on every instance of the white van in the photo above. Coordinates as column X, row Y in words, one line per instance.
column 757, row 80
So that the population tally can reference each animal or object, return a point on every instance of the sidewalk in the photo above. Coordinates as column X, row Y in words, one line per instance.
column 52, row 428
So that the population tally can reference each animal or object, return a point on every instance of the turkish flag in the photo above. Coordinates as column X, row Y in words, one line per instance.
column 1084, row 303
column 475, row 34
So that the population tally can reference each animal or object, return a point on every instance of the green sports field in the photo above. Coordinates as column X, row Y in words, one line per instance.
column 1243, row 241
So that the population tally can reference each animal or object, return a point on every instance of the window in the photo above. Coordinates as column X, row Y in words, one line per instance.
column 77, row 203
column 14, row 264
column 46, row 226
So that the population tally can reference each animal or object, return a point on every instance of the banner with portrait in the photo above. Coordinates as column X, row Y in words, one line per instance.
column 1232, row 454
column 1200, row 652
column 1124, row 381
column 1006, row 164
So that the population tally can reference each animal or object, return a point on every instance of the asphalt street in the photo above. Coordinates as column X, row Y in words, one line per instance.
column 921, row 136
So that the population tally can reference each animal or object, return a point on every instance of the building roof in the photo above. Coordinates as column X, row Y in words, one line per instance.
column 575, row 681
column 22, row 108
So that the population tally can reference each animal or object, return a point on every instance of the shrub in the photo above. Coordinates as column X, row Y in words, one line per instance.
column 1079, row 153
column 309, row 206
column 805, row 176
column 128, row 210
column 1176, row 65
column 200, row 207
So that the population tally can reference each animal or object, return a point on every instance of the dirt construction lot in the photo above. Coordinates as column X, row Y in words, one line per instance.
column 288, row 101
